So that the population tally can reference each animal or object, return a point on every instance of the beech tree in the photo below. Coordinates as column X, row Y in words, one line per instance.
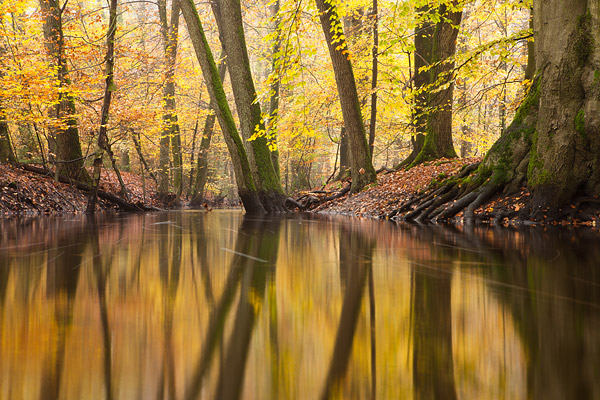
column 552, row 146
column 435, row 46
column 170, row 137
column 207, row 132
column 6, row 150
column 247, row 189
column 362, row 170
column 252, row 124
column 64, row 134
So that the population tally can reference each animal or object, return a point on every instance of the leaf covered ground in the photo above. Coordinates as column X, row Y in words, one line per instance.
column 394, row 188
column 29, row 193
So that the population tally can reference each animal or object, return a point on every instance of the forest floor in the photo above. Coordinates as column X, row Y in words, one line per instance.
column 28, row 193
column 394, row 188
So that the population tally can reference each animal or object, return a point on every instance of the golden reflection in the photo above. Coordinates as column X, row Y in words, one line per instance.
column 199, row 306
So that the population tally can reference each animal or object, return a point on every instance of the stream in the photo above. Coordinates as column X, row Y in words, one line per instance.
column 218, row 305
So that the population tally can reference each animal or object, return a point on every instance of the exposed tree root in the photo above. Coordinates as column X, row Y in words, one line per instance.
column 309, row 200
column 435, row 202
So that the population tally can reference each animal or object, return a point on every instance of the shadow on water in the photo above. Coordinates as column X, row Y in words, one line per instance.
column 219, row 305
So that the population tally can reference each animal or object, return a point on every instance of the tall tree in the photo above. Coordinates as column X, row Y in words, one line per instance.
column 245, row 183
column 553, row 143
column 109, row 88
column 64, row 133
column 435, row 47
column 362, row 170
column 6, row 150
column 170, row 136
column 207, row 131
column 252, row 124
column 277, row 60
column 374, row 73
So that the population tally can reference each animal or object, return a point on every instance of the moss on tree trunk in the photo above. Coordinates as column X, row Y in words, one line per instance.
column 435, row 46
column 553, row 143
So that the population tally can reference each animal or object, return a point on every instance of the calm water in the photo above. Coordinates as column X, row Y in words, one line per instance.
column 192, row 305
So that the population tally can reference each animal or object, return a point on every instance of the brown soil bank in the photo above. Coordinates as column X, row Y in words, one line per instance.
column 28, row 193
column 396, row 193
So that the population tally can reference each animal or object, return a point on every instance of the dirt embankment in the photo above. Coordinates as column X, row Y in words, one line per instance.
column 396, row 188
column 28, row 193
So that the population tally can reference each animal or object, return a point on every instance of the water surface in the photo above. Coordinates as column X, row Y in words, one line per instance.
column 191, row 305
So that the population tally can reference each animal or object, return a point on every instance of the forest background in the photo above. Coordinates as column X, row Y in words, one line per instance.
column 286, row 47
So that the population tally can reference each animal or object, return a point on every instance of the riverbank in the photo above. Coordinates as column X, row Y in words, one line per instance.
column 394, row 188
column 29, row 193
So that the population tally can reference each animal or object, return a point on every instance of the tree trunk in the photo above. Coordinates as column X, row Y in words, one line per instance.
column 374, row 71
column 64, row 132
column 277, row 61
column 6, row 150
column 344, row 155
column 248, row 109
column 362, row 169
column 245, row 183
column 103, row 144
column 565, row 157
column 171, row 136
column 202, row 168
column 435, row 46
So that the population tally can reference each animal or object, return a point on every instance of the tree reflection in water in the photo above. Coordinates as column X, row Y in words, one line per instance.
column 192, row 306
column 356, row 254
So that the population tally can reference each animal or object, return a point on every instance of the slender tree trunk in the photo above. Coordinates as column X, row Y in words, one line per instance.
column 138, row 149
column 277, row 61
column 435, row 47
column 374, row 71
column 248, row 109
column 6, row 149
column 64, row 132
column 245, row 183
column 362, row 169
column 171, row 136
column 103, row 144
column 202, row 168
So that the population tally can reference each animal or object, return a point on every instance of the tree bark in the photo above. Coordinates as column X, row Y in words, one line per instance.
column 565, row 157
column 277, row 61
column 435, row 46
column 248, row 109
column 362, row 169
column 170, row 136
column 243, row 176
column 64, row 132
column 6, row 150
column 202, row 167
column 530, row 68
column 103, row 144
column 374, row 71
